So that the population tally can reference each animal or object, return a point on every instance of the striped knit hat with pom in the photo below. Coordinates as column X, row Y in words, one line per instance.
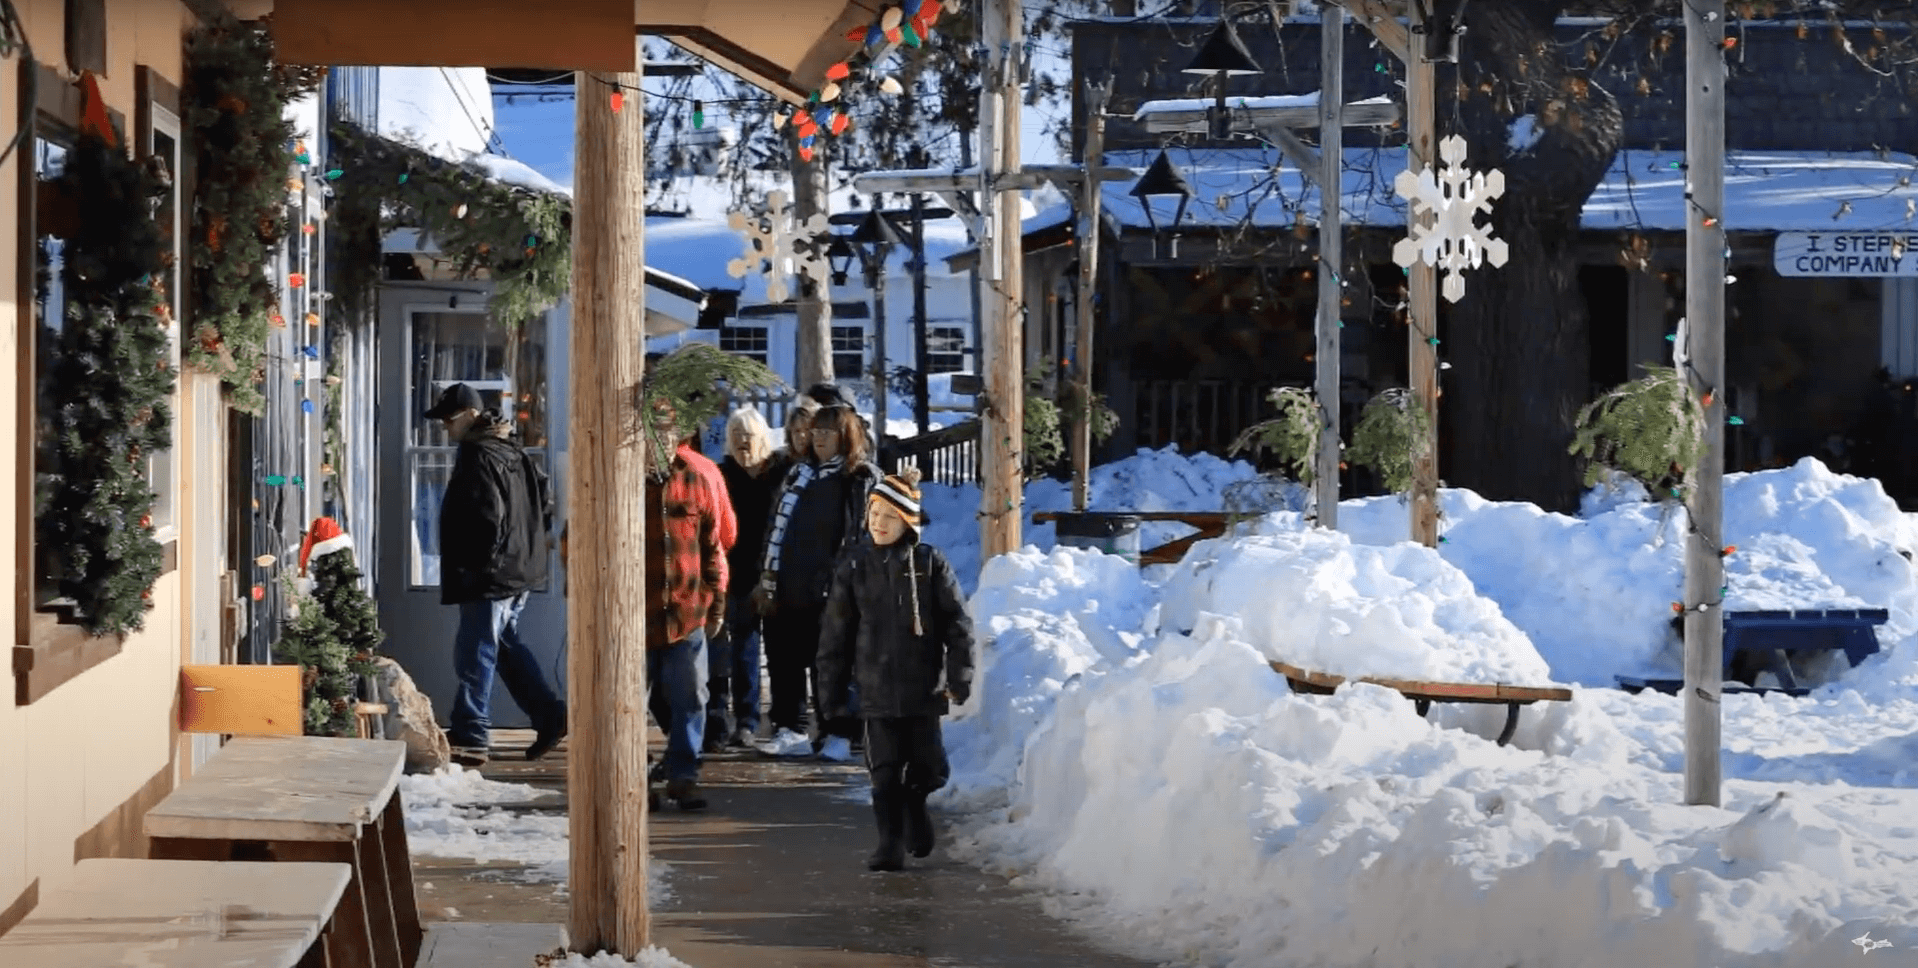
column 901, row 492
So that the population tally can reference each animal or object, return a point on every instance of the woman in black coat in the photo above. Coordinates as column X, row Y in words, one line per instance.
column 816, row 519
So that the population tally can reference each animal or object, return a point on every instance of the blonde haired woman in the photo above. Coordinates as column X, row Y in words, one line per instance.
column 753, row 470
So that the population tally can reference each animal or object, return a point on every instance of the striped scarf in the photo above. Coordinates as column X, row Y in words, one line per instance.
column 801, row 475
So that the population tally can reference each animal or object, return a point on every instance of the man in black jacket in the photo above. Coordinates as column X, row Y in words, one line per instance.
column 494, row 523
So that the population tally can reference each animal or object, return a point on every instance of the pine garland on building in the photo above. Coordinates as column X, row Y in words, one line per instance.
column 1651, row 429
column 520, row 238
column 1292, row 436
column 108, row 391
column 1392, row 432
column 235, row 98
column 333, row 633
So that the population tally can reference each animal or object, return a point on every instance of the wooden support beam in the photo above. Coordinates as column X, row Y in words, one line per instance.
column 1379, row 17
column 1001, row 280
column 592, row 34
column 1090, row 193
column 1369, row 113
column 1304, row 157
column 606, row 614
column 1422, row 315
column 1330, row 179
column 1704, row 345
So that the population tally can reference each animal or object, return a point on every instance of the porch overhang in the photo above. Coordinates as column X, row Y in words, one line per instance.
column 784, row 46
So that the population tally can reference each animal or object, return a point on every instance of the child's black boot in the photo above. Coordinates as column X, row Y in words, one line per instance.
column 888, row 811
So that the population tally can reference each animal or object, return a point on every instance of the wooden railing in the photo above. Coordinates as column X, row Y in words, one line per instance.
column 949, row 455
column 1199, row 415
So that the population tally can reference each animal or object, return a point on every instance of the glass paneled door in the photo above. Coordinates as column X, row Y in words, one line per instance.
column 428, row 346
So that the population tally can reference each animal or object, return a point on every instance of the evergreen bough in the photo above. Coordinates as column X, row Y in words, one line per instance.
column 332, row 637
column 1392, row 432
column 107, row 392
column 235, row 100
column 1651, row 429
column 1292, row 436
column 695, row 381
column 1045, row 420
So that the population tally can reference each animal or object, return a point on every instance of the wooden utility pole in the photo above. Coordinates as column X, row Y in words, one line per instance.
column 1421, row 358
column 813, row 358
column 1331, row 295
column 605, row 615
column 1002, row 428
column 1705, row 346
column 876, row 276
column 921, row 402
column 1089, row 197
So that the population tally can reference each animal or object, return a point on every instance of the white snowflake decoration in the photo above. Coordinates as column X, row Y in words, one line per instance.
column 1455, row 241
column 779, row 246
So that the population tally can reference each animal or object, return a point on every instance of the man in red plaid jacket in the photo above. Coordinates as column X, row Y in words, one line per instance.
column 689, row 528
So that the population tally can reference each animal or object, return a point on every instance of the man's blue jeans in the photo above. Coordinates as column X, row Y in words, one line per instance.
column 488, row 639
column 680, row 671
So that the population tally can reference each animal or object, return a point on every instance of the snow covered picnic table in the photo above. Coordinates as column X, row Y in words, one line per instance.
column 1424, row 694
column 1757, row 642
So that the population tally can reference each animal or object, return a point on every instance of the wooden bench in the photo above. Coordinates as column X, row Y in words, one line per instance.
column 1211, row 524
column 301, row 798
column 1761, row 641
column 183, row 914
column 1424, row 694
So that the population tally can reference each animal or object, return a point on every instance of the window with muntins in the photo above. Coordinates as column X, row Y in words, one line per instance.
column 945, row 349
column 750, row 342
column 848, row 352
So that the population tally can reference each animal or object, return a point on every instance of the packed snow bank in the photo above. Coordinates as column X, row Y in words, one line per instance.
column 1316, row 600
column 1151, row 480
column 1267, row 828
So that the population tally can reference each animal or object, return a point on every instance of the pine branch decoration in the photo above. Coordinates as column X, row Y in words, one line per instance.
column 235, row 100
column 1392, row 433
column 1292, row 436
column 108, row 393
column 696, row 380
column 1651, row 429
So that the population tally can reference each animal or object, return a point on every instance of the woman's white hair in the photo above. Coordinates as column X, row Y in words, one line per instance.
column 749, row 425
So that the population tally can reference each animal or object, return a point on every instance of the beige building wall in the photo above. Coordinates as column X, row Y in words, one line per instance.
column 78, row 762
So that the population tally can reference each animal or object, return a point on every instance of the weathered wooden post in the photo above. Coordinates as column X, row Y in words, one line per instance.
column 1705, row 323
column 1326, row 358
column 1089, row 197
column 1002, row 430
column 813, row 356
column 1421, row 358
column 605, row 615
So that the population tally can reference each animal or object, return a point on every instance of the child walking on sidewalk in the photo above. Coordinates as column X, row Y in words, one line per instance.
column 895, row 620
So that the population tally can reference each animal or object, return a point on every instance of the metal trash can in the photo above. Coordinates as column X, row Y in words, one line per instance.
column 1114, row 534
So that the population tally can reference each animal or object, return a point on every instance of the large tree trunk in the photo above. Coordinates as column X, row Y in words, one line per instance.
column 813, row 356
column 1518, row 342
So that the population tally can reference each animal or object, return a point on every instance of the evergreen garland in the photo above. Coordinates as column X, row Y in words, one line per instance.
column 1392, row 432
column 332, row 636
column 1292, row 436
column 108, row 391
column 694, row 381
column 520, row 238
column 1651, row 429
column 235, row 100
column 1045, row 419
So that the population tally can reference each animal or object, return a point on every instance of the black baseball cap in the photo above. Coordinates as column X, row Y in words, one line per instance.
column 457, row 397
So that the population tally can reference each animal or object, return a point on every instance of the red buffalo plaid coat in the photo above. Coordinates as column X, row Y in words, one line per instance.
column 689, row 528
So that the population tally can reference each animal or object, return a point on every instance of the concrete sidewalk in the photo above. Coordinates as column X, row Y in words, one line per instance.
column 771, row 875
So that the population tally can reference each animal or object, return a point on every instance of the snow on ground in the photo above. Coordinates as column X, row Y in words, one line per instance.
column 1265, row 828
column 653, row 957
column 457, row 813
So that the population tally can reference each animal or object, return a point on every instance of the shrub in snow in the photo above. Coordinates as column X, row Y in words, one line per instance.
column 1314, row 599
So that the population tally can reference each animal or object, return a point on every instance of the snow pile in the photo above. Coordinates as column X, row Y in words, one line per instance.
column 1041, row 619
column 1151, row 480
column 653, row 957
column 1269, row 828
column 1316, row 600
column 456, row 813
column 1594, row 593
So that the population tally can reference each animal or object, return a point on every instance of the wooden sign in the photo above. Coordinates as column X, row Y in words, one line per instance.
column 1846, row 254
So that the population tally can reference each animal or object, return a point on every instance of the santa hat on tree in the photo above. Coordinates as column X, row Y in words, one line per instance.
column 323, row 538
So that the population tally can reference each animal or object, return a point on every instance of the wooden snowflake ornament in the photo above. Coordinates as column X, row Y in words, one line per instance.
column 778, row 245
column 1456, row 195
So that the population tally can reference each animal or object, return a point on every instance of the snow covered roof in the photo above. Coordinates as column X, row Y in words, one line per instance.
column 1765, row 191
column 699, row 250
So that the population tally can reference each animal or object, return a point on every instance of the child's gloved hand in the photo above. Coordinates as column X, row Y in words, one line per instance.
column 763, row 598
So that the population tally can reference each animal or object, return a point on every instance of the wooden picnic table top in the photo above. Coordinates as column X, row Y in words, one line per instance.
column 300, row 788
column 179, row 913
column 1435, row 691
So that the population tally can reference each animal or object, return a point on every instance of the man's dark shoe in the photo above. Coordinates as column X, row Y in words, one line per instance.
column 685, row 795
column 474, row 756
column 546, row 739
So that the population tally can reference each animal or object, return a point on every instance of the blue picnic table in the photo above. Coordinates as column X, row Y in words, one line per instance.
column 1762, row 640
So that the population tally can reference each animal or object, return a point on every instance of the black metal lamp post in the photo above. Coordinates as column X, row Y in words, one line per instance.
column 873, row 240
column 839, row 256
column 1159, row 181
column 1222, row 56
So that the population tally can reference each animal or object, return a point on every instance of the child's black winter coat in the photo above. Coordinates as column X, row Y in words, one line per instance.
column 867, row 632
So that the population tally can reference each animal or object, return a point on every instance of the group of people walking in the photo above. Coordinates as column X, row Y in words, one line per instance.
column 807, row 552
